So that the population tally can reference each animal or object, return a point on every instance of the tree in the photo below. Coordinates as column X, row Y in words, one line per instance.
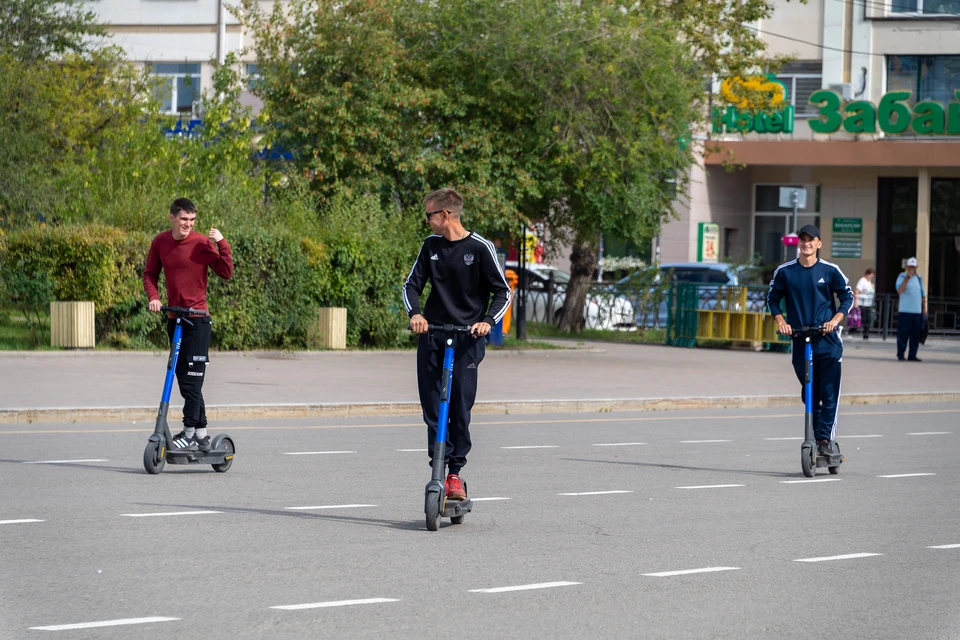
column 40, row 29
column 576, row 113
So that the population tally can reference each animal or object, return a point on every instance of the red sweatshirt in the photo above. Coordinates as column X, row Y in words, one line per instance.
column 184, row 263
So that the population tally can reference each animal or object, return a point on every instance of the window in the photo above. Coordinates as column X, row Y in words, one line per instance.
column 925, row 7
column 181, row 85
column 927, row 77
column 802, row 79
column 253, row 76
column 771, row 221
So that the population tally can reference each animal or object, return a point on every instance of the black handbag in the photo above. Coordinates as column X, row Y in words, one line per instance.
column 924, row 329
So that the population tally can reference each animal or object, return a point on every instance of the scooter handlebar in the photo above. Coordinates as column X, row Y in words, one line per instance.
column 185, row 311
column 802, row 332
column 447, row 328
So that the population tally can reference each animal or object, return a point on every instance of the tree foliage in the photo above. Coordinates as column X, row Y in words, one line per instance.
column 576, row 113
column 42, row 29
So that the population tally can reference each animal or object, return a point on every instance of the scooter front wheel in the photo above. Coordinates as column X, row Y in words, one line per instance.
column 433, row 508
column 808, row 462
column 153, row 461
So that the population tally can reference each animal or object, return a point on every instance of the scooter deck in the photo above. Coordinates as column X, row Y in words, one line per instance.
column 454, row 508
column 829, row 461
column 197, row 457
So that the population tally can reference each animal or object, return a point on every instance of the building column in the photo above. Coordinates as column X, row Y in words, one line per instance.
column 923, row 227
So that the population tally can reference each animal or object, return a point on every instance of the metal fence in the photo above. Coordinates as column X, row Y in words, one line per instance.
column 727, row 313
column 944, row 315
column 607, row 306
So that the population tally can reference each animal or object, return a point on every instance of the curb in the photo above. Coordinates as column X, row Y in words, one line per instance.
column 63, row 415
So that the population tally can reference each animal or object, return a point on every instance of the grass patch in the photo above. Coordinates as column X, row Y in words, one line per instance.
column 15, row 334
column 640, row 336
column 510, row 343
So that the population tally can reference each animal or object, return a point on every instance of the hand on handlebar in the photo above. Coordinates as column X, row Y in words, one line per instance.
column 154, row 306
column 480, row 329
column 785, row 329
column 418, row 324
column 829, row 327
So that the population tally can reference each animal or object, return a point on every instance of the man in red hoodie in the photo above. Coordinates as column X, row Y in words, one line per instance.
column 184, row 255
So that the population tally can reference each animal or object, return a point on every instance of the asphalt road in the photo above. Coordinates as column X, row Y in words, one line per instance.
column 871, row 553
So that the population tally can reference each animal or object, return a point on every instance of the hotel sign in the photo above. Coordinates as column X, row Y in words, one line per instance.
column 743, row 115
column 893, row 115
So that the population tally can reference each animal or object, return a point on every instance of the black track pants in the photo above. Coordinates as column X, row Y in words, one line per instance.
column 192, row 368
column 826, row 391
column 468, row 353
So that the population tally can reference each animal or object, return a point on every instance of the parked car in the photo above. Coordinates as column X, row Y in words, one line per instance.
column 601, row 310
column 696, row 272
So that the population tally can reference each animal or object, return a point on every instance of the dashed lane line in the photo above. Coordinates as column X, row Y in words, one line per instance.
column 103, row 623
column 712, row 486
column 167, row 513
column 595, row 493
column 848, row 556
column 331, row 506
column 907, row 475
column 333, row 603
column 66, row 461
column 526, row 587
column 686, row 572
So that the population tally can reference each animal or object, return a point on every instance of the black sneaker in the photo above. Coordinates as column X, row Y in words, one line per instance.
column 824, row 448
column 914, row 359
column 182, row 443
column 203, row 443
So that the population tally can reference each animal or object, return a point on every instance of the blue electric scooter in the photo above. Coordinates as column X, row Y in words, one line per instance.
column 810, row 459
column 159, row 450
column 436, row 504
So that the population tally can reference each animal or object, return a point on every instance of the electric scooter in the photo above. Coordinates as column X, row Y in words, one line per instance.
column 436, row 504
column 810, row 459
column 159, row 450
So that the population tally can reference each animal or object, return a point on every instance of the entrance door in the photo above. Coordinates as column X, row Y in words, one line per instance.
column 896, row 228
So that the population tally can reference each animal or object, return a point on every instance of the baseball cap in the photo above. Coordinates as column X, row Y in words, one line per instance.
column 810, row 230
column 911, row 262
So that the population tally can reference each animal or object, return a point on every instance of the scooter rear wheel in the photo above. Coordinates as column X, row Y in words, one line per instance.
column 459, row 519
column 153, row 462
column 833, row 470
column 433, row 510
column 807, row 462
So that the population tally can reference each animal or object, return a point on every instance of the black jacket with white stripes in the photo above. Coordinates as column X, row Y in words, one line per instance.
column 464, row 274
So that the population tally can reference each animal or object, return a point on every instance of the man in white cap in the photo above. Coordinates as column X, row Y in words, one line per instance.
column 913, row 306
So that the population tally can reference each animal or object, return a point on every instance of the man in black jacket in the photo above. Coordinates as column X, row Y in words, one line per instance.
column 465, row 273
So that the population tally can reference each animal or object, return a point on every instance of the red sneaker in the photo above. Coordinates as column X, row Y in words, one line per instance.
column 455, row 488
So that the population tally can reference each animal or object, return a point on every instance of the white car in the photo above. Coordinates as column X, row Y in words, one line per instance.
column 601, row 310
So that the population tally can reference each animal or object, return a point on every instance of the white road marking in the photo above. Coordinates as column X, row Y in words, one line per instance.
column 25, row 520
column 790, row 438
column 946, row 546
column 104, row 623
column 313, row 453
column 907, row 475
column 168, row 513
column 810, row 480
column 525, row 587
column 488, row 499
column 331, row 506
column 702, row 441
column 535, row 446
column 667, row 574
column 846, row 437
column 712, row 486
column 594, row 493
column 848, row 556
column 66, row 461
column 411, row 450
column 930, row 433
column 618, row 444
column 333, row 603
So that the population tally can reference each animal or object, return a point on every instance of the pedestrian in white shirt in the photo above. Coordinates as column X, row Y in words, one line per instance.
column 866, row 290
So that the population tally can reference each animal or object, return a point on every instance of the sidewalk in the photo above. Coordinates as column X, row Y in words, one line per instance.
column 112, row 386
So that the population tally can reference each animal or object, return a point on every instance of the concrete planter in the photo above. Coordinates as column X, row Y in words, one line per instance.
column 72, row 325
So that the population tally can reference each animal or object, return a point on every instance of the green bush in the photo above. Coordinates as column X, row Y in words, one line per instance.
column 287, row 263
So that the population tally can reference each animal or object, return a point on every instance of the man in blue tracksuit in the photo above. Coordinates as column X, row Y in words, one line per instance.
column 807, row 286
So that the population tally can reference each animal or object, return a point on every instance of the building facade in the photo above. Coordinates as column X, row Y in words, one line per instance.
column 869, row 128
column 179, row 40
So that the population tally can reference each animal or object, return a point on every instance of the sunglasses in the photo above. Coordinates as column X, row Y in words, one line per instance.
column 433, row 213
